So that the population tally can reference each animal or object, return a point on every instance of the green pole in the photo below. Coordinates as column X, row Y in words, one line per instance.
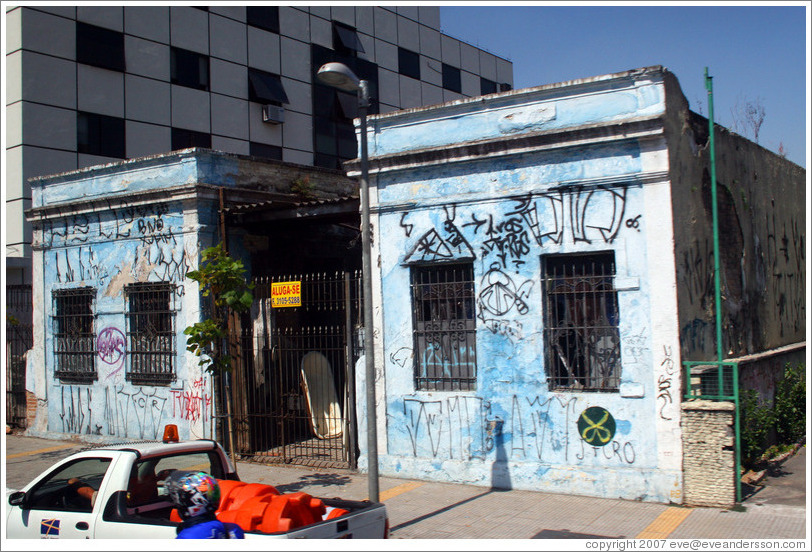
column 718, row 290
column 715, row 207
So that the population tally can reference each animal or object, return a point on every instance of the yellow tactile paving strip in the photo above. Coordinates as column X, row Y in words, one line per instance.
column 665, row 523
column 400, row 489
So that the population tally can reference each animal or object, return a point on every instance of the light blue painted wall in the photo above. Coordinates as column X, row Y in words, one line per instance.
column 505, row 213
column 129, row 241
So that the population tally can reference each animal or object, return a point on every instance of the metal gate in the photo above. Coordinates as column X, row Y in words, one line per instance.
column 293, row 382
column 19, row 339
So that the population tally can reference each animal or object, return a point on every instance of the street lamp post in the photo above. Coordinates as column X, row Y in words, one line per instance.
column 340, row 76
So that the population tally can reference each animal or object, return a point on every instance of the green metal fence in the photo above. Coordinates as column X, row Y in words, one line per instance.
column 717, row 381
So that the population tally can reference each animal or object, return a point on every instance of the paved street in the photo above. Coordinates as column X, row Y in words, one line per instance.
column 420, row 510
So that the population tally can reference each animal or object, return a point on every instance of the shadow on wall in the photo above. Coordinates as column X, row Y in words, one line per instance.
column 500, row 471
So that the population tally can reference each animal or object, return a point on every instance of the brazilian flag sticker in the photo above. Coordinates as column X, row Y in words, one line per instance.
column 596, row 426
column 49, row 528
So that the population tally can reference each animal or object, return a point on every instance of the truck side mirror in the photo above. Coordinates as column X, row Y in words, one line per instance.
column 16, row 498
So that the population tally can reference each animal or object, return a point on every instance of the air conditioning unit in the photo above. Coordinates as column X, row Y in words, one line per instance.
column 273, row 114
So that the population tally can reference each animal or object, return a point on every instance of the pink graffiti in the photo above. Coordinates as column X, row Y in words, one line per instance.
column 111, row 346
column 189, row 406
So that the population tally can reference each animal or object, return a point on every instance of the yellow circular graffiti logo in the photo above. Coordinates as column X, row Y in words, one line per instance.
column 596, row 426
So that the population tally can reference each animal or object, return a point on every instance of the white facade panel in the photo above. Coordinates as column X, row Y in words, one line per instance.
column 294, row 23
column 227, row 78
column 299, row 94
column 487, row 65
column 295, row 59
column 386, row 25
column 228, row 39
column 190, row 109
column 297, row 131
column 469, row 58
column 109, row 17
column 343, row 14
column 49, row 127
column 189, row 29
column 451, row 50
column 100, row 91
column 386, row 55
column 409, row 33
column 365, row 19
column 430, row 43
column 150, row 22
column 43, row 33
column 229, row 117
column 264, row 50
column 146, row 58
column 410, row 93
column 147, row 100
column 470, row 84
column 388, row 87
column 14, row 124
column 429, row 16
column 297, row 156
column 321, row 32
column 230, row 145
column 147, row 139
column 41, row 73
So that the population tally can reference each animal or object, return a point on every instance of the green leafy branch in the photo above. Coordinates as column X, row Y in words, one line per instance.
column 223, row 280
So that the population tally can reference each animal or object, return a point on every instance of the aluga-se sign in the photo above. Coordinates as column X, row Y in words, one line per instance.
column 286, row 294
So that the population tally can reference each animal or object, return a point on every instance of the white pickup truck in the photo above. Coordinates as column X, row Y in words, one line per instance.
column 129, row 500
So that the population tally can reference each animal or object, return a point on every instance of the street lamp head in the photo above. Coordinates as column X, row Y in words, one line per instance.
column 340, row 76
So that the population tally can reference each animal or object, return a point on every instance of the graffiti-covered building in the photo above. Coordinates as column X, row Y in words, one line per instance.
column 542, row 272
column 113, row 244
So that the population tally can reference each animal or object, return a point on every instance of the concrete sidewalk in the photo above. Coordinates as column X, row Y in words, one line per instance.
column 419, row 509
column 429, row 510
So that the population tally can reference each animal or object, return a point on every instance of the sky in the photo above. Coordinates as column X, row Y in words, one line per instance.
column 755, row 53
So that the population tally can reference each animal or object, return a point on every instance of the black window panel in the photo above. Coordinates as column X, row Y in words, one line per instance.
column 364, row 69
column 324, row 99
column 183, row 138
column 444, row 327
column 504, row 87
column 347, row 145
column 150, row 333
column 263, row 17
column 325, row 134
column 189, row 69
column 99, row 47
column 348, row 104
column 345, row 39
column 265, row 150
column 581, row 318
column 326, row 161
column 74, row 335
column 409, row 63
column 333, row 130
column 452, row 80
column 486, row 86
column 100, row 135
column 265, row 88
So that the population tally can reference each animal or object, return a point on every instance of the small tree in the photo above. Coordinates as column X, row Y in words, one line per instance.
column 222, row 279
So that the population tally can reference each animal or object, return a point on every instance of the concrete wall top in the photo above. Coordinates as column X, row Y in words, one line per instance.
column 179, row 168
column 592, row 101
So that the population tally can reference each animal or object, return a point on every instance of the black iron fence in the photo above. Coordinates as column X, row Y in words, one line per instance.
column 293, row 376
column 19, row 339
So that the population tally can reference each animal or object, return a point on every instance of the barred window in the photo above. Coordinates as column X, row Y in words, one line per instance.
column 444, row 327
column 74, row 343
column 150, row 333
column 582, row 341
